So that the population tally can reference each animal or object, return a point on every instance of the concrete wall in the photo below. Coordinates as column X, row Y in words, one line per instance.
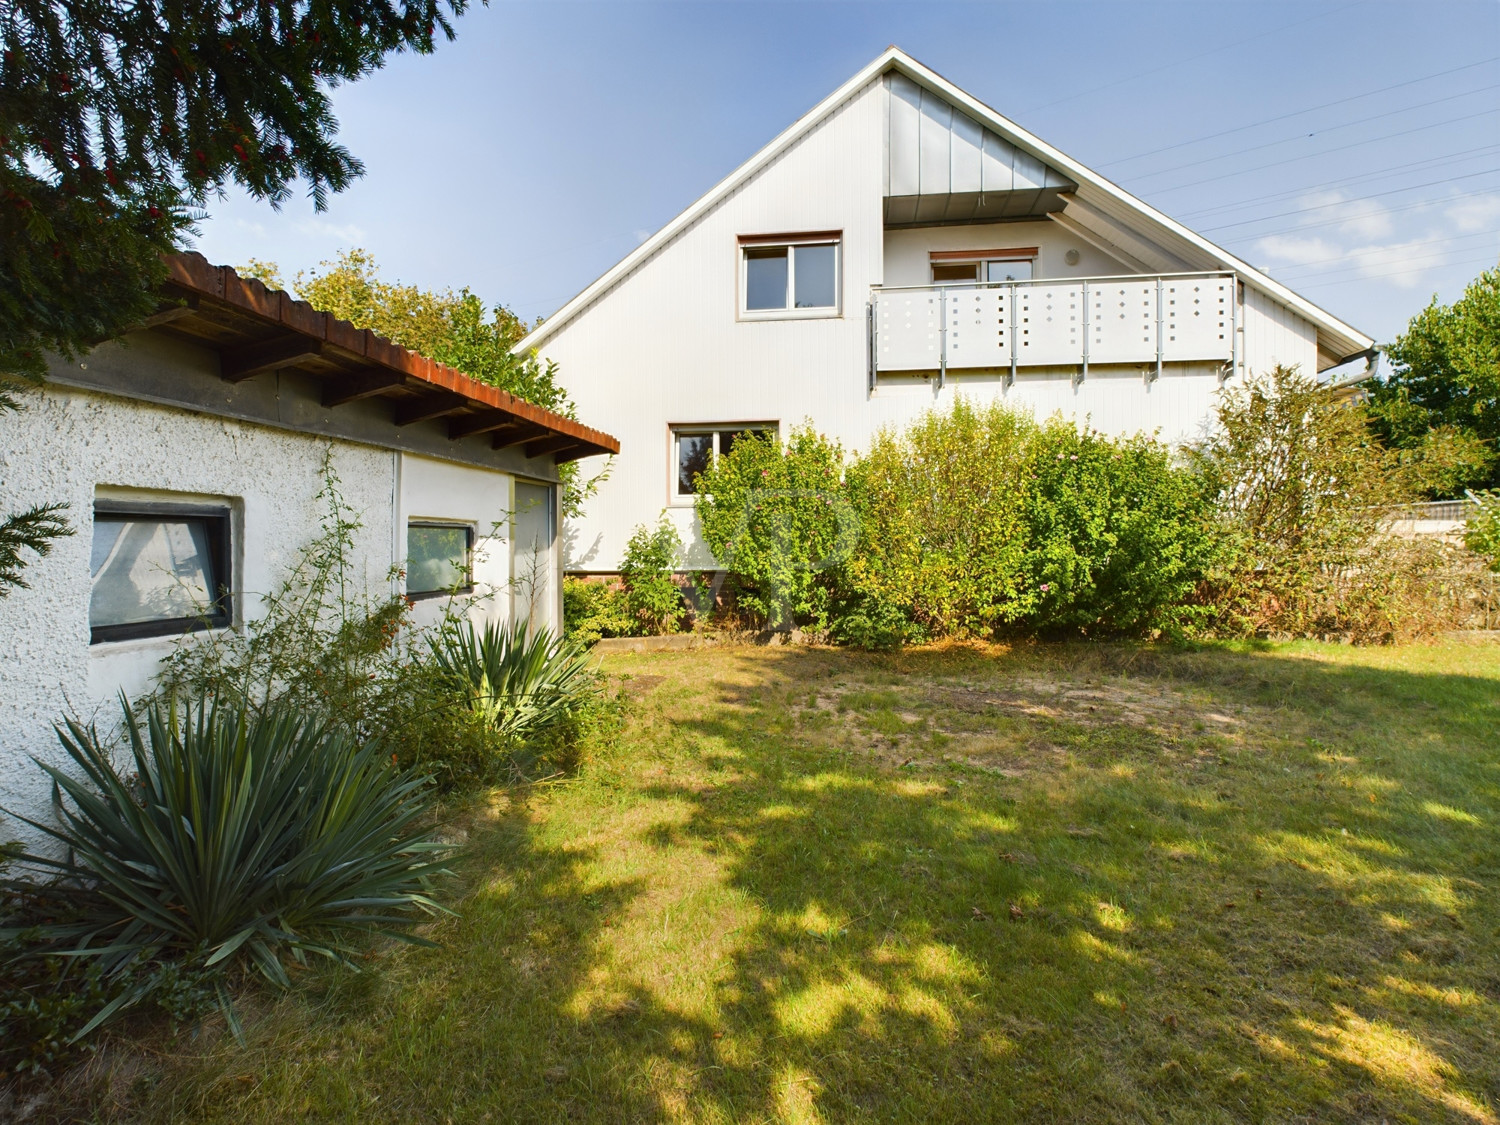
column 78, row 446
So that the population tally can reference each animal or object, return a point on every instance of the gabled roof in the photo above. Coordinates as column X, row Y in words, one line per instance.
column 255, row 330
column 1099, row 211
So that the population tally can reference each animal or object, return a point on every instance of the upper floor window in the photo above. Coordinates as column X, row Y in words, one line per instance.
column 789, row 275
column 695, row 449
column 959, row 267
column 158, row 570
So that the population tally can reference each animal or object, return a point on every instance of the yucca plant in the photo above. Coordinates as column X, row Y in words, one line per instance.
column 523, row 681
column 234, row 838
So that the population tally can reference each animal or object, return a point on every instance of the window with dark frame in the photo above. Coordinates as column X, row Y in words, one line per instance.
column 438, row 559
column 697, row 448
column 159, row 570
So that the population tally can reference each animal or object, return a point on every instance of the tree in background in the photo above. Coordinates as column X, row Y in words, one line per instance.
column 458, row 329
column 117, row 116
column 1441, row 404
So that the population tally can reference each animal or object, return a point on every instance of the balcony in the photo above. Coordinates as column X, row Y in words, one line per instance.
column 1006, row 326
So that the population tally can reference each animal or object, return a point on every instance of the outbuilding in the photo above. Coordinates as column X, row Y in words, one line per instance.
column 191, row 454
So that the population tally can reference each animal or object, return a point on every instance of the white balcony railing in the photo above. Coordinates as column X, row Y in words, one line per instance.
column 1150, row 321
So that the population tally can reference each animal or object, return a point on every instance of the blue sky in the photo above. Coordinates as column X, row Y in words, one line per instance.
column 528, row 156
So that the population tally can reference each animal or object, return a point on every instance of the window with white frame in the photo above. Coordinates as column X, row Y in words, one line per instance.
column 159, row 569
column 696, row 449
column 438, row 559
column 789, row 276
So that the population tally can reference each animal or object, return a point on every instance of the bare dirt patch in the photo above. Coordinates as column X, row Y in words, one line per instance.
column 1012, row 729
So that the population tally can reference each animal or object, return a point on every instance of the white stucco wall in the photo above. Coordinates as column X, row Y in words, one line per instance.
column 907, row 250
column 76, row 446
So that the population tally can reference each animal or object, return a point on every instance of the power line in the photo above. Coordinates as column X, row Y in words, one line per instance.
column 1299, row 113
column 1330, row 151
column 1489, row 259
column 1351, row 199
column 1425, row 242
column 1485, row 150
column 1329, row 129
column 1177, row 63
column 1435, row 259
column 1388, row 211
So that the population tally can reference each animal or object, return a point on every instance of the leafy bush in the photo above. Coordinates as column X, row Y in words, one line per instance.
column 652, row 599
column 777, row 517
column 1116, row 536
column 1483, row 532
column 592, row 610
column 236, row 838
column 1302, row 487
column 942, row 525
column 527, row 686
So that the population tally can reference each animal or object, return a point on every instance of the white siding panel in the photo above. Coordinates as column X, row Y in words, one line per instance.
column 1274, row 334
column 968, row 138
column 905, row 135
column 937, row 121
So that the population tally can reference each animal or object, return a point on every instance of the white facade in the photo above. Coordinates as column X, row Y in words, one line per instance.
column 84, row 447
column 668, row 339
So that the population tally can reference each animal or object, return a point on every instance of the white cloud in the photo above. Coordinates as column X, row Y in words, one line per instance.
column 641, row 235
column 1401, row 264
column 1361, row 218
column 348, row 233
column 1296, row 249
column 1476, row 213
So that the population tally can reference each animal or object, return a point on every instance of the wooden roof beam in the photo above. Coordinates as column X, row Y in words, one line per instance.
column 485, row 421
column 429, row 407
column 521, row 433
column 351, row 388
column 550, row 445
column 238, row 364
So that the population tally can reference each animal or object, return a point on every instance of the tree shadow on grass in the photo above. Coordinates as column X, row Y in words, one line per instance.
column 1255, row 938
column 742, row 918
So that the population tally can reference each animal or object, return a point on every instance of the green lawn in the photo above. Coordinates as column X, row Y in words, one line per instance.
column 1058, row 883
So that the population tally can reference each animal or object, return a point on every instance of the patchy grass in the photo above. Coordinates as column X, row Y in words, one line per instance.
column 1078, row 883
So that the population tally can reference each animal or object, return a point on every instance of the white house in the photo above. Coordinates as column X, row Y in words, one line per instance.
column 900, row 244
column 190, row 454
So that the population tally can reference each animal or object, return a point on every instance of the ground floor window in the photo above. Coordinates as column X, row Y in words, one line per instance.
column 437, row 559
column 158, row 570
column 696, row 448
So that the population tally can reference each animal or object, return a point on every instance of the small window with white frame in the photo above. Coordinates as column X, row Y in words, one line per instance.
column 159, row 569
column 970, row 267
column 789, row 275
column 438, row 559
column 696, row 449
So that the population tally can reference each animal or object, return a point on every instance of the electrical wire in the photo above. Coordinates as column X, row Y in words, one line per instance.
column 1298, row 113
column 1331, row 151
column 1425, row 242
column 1419, row 165
column 1387, row 211
column 1177, row 63
column 1353, row 199
column 1329, row 129
column 1367, row 279
column 1434, row 259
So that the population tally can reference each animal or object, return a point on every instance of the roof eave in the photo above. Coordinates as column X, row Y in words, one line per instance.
column 1342, row 338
